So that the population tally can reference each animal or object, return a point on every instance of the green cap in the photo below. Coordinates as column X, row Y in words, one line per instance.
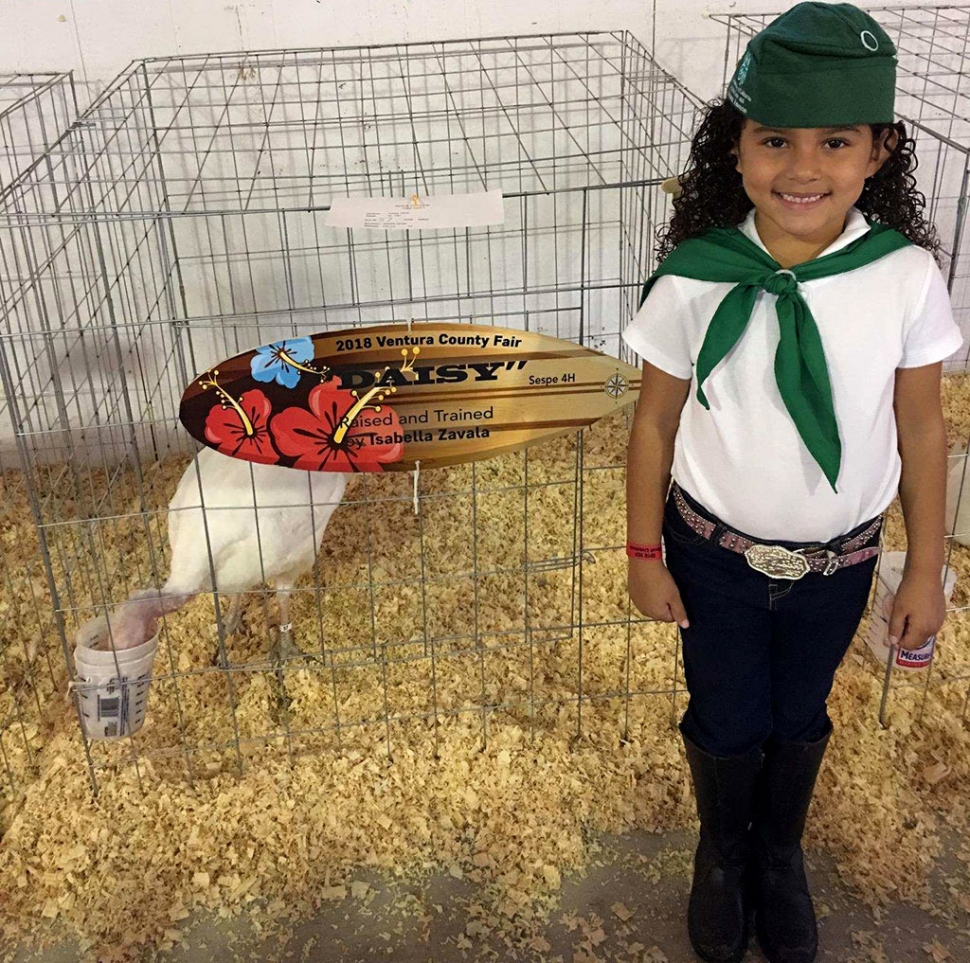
column 817, row 65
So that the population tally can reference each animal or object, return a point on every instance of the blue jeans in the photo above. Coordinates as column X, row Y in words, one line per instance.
column 761, row 653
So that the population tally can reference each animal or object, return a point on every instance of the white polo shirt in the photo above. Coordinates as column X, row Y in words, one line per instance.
column 744, row 459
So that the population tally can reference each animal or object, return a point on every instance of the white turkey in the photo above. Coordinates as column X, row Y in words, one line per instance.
column 261, row 524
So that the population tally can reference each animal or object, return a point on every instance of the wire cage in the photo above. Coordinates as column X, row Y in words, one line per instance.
column 933, row 99
column 192, row 226
column 35, row 111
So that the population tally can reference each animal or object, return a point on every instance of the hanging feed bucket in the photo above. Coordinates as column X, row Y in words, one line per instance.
column 112, row 688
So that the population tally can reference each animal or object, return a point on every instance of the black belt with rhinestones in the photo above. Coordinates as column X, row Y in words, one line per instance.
column 776, row 561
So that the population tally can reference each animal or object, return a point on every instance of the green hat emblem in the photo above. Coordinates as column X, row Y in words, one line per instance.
column 817, row 65
column 743, row 68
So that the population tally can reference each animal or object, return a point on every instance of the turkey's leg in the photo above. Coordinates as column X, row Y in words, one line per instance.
column 230, row 624
column 234, row 617
column 285, row 648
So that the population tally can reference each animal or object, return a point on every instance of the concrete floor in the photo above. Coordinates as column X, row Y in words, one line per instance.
column 427, row 920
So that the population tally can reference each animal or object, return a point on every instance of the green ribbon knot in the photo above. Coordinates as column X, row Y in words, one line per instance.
column 801, row 372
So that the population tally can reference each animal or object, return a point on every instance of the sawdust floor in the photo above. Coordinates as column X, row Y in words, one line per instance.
column 628, row 906
column 183, row 834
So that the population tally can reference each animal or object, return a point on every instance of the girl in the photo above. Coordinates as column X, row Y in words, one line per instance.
column 792, row 341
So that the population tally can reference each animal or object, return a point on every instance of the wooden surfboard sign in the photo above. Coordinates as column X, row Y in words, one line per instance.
column 385, row 397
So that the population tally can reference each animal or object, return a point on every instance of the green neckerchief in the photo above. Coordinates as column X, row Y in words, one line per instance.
column 727, row 254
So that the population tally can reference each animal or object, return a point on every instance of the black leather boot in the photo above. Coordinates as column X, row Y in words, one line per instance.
column 784, row 915
column 724, row 787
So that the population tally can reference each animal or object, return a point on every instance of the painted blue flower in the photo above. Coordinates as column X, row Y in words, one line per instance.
column 282, row 361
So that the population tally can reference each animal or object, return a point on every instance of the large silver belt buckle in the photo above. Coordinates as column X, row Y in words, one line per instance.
column 777, row 562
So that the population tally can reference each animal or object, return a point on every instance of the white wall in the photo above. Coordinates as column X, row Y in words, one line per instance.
column 96, row 38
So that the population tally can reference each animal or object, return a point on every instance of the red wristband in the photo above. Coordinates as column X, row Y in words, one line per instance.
column 644, row 551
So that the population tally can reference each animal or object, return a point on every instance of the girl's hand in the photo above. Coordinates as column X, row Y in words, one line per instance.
column 654, row 592
column 918, row 610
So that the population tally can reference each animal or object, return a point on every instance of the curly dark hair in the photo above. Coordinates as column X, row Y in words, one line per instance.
column 712, row 194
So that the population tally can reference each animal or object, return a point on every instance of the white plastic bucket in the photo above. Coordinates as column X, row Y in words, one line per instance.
column 877, row 631
column 112, row 688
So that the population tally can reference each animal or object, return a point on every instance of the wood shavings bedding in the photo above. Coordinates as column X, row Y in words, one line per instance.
column 373, row 757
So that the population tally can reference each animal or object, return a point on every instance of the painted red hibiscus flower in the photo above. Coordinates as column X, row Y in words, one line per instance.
column 241, row 428
column 340, row 432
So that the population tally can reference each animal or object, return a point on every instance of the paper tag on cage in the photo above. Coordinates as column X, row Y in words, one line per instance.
column 417, row 211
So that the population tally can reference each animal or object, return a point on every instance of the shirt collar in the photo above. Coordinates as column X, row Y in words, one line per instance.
column 855, row 226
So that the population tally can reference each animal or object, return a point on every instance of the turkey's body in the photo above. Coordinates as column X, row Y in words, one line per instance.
column 243, row 526
column 259, row 523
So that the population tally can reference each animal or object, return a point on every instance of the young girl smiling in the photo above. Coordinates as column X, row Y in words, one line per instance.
column 792, row 339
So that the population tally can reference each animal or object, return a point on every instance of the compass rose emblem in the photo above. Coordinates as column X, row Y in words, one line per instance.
column 615, row 386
